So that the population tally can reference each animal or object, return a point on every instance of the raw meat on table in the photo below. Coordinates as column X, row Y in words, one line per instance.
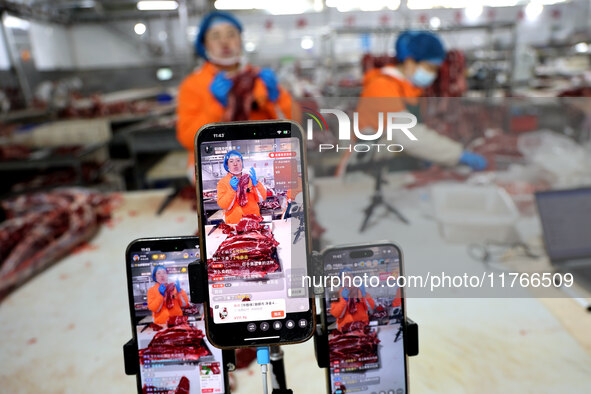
column 250, row 252
column 183, row 342
column 176, row 320
column 248, row 223
column 353, row 345
column 41, row 228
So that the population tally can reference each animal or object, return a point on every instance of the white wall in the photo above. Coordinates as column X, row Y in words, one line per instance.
column 96, row 46
column 50, row 46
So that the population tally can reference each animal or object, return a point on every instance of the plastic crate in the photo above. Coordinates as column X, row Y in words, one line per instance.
column 467, row 213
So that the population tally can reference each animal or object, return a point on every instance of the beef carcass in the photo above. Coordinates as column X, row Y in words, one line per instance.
column 183, row 343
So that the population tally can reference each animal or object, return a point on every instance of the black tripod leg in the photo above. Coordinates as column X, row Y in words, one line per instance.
column 368, row 212
column 396, row 212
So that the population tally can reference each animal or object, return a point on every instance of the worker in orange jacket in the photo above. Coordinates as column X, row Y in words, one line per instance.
column 160, row 312
column 227, row 190
column 203, row 95
column 397, row 88
column 341, row 308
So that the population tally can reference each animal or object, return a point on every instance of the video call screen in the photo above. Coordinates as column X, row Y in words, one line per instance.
column 254, row 229
column 364, row 324
column 174, row 353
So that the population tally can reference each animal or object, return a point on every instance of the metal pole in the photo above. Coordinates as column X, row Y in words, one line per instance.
column 16, row 61
column 278, row 380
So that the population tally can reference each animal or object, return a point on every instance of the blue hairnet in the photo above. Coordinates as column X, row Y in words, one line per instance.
column 156, row 269
column 401, row 46
column 206, row 23
column 227, row 157
column 420, row 46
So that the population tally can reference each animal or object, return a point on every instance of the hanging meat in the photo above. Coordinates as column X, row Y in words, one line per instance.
column 41, row 228
column 451, row 80
column 240, row 98
column 169, row 295
column 183, row 343
column 242, row 190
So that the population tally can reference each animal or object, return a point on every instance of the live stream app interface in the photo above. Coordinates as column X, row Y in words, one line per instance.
column 174, row 353
column 364, row 324
column 254, row 229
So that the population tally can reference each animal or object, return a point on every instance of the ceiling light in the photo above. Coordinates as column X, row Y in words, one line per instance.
column 435, row 22
column 139, row 29
column 473, row 11
column 16, row 23
column 157, row 5
column 533, row 10
column 582, row 47
column 307, row 43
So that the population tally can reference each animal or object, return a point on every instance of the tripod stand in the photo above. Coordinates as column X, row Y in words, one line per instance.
column 377, row 199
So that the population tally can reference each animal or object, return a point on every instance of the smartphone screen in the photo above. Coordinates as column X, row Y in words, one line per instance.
column 175, row 355
column 365, row 320
column 253, row 221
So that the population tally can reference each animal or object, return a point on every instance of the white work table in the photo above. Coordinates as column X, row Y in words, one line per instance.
column 63, row 331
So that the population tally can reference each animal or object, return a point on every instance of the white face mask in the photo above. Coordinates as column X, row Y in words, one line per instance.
column 225, row 61
column 423, row 78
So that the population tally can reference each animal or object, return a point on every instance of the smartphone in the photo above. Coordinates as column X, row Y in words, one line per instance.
column 174, row 353
column 365, row 319
column 253, row 216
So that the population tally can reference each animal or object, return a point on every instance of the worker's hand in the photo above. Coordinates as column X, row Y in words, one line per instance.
column 362, row 290
column 220, row 87
column 253, row 176
column 162, row 289
column 178, row 286
column 345, row 294
column 234, row 183
column 473, row 160
column 270, row 81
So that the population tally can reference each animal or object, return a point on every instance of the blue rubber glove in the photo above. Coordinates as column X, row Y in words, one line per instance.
column 234, row 183
column 473, row 160
column 362, row 289
column 253, row 177
column 270, row 81
column 345, row 294
column 178, row 286
column 220, row 87
column 162, row 289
